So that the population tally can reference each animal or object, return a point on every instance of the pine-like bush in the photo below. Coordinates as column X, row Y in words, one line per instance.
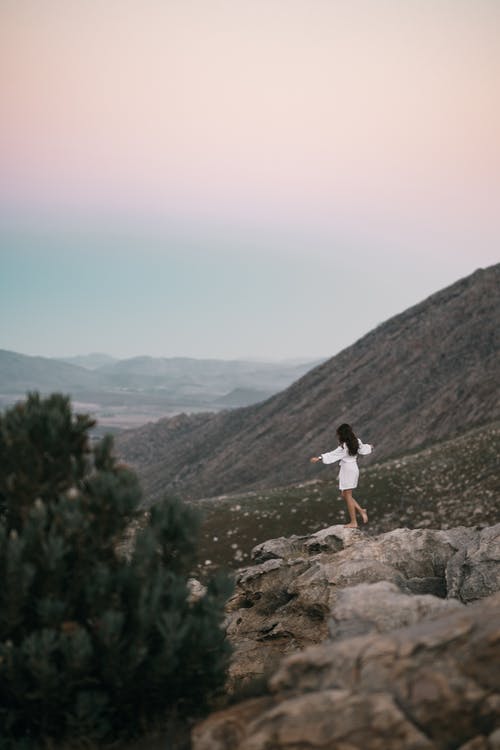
column 93, row 644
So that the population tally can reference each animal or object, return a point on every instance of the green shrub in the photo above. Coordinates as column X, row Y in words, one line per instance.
column 94, row 644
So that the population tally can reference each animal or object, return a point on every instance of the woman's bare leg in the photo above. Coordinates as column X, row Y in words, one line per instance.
column 351, row 508
column 362, row 512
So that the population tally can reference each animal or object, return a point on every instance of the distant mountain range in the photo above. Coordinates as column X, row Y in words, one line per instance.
column 20, row 373
column 90, row 361
column 429, row 373
column 138, row 390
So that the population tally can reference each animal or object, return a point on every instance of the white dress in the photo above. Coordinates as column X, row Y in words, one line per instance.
column 349, row 471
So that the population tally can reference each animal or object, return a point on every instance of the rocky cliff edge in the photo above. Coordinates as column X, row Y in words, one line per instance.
column 366, row 643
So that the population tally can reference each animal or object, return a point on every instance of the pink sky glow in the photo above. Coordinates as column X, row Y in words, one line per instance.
column 326, row 113
column 226, row 178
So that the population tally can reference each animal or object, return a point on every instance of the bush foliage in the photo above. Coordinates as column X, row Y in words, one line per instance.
column 93, row 644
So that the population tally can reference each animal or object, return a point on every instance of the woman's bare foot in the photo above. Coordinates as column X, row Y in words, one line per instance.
column 364, row 515
column 351, row 525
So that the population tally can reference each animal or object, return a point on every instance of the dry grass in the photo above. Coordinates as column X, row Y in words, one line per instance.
column 453, row 483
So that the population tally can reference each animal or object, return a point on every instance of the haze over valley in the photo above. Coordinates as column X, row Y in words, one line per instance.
column 124, row 393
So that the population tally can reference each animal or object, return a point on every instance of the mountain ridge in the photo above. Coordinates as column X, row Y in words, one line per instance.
column 140, row 389
column 21, row 372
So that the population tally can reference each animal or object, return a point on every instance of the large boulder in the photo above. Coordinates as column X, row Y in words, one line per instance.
column 381, row 607
column 474, row 572
column 286, row 601
column 430, row 686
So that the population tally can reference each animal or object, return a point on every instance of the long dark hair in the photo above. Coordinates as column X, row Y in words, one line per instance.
column 347, row 436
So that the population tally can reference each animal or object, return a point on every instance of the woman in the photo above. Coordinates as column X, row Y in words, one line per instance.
column 349, row 448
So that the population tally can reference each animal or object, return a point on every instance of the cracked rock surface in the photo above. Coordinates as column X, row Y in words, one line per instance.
column 390, row 642
column 304, row 588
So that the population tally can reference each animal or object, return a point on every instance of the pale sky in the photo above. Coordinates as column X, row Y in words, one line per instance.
column 229, row 178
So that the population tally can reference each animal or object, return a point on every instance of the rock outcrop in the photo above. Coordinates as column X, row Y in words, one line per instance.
column 380, row 607
column 431, row 686
column 406, row 657
column 301, row 587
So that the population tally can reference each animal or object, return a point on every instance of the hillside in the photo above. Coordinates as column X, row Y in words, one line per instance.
column 419, row 490
column 428, row 373
column 20, row 373
column 90, row 361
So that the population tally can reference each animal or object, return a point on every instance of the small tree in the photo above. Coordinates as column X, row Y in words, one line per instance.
column 93, row 644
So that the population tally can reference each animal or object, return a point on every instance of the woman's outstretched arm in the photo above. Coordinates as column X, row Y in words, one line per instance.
column 331, row 457
column 364, row 449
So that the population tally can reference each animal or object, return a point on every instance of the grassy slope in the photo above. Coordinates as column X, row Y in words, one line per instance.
column 453, row 483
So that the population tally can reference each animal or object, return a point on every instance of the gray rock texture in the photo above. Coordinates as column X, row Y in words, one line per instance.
column 395, row 667
column 474, row 572
column 380, row 607
column 431, row 686
column 338, row 582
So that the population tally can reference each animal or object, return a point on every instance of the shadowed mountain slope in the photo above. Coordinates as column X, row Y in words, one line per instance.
column 428, row 373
